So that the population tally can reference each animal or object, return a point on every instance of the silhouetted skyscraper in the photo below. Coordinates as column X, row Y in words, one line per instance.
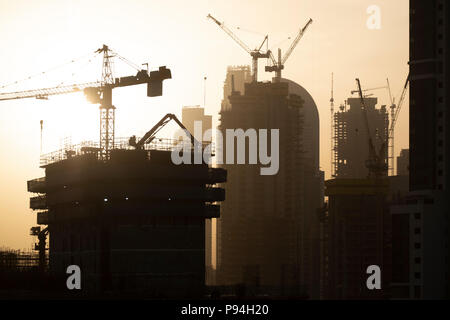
column 421, row 226
column 268, row 232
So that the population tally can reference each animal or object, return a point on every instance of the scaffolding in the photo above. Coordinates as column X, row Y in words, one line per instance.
column 69, row 151
column 17, row 260
column 350, row 143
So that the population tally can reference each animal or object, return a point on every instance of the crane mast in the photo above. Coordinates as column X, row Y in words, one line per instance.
column 277, row 66
column 255, row 54
column 376, row 161
column 395, row 110
column 332, row 124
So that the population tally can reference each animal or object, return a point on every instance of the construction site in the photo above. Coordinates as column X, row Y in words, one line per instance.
column 356, row 223
column 139, row 225
column 267, row 233
column 119, row 208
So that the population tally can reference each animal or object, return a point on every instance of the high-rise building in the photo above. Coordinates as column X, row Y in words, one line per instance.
column 189, row 115
column 421, row 267
column 351, row 148
column 355, row 226
column 268, row 230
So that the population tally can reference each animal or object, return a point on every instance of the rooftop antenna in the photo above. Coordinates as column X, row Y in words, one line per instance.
column 42, row 128
column 333, row 173
column 204, row 92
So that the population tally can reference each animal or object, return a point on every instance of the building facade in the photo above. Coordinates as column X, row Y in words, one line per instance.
column 422, row 269
column 267, row 237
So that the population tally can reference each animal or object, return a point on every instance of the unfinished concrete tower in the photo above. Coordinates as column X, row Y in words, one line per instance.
column 134, row 223
column 262, row 237
column 351, row 148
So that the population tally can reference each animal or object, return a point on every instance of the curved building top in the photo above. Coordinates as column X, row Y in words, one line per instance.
column 311, row 122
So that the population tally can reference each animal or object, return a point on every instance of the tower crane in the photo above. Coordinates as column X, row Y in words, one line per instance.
column 394, row 117
column 277, row 66
column 395, row 110
column 377, row 88
column 255, row 54
column 376, row 160
column 100, row 92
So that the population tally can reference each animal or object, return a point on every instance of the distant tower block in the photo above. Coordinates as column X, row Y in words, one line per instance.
column 351, row 145
column 189, row 116
column 268, row 223
column 134, row 224
column 241, row 76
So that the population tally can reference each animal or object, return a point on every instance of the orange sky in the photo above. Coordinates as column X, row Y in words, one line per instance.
column 39, row 35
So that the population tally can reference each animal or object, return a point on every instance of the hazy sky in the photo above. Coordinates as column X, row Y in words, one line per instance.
column 39, row 35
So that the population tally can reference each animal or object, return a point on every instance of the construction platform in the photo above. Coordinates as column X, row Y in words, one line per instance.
column 134, row 223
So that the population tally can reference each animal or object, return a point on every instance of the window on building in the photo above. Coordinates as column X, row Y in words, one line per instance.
column 418, row 260
column 417, row 292
column 417, row 230
column 417, row 245
column 417, row 275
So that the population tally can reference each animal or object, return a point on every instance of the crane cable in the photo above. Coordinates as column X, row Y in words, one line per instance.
column 45, row 72
column 91, row 57
column 80, row 68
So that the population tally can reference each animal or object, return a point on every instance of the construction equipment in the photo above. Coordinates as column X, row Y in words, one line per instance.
column 395, row 111
column 100, row 92
column 277, row 66
column 41, row 245
column 371, row 89
column 150, row 135
column 376, row 160
column 255, row 54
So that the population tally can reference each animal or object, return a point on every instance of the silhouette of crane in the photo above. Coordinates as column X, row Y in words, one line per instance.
column 255, row 54
column 376, row 160
column 100, row 92
column 395, row 111
column 277, row 66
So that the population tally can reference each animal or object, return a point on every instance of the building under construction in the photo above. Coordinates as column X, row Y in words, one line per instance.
column 122, row 210
column 267, row 226
column 356, row 226
column 350, row 147
column 356, row 235
column 134, row 223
